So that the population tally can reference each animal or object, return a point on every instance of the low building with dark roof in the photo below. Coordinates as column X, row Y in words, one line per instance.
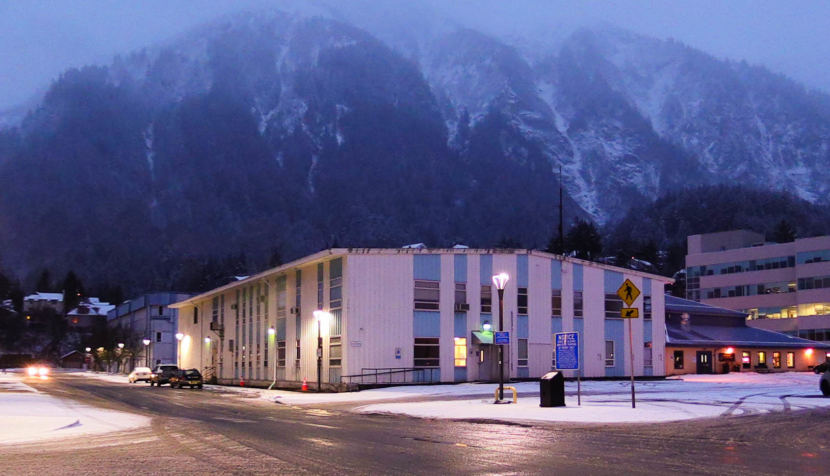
column 706, row 339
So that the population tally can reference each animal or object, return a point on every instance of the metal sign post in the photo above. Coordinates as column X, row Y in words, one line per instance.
column 629, row 293
column 567, row 357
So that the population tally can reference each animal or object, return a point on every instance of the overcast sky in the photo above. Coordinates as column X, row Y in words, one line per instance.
column 39, row 39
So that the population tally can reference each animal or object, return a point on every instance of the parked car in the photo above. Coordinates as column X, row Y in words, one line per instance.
column 189, row 377
column 821, row 368
column 824, row 384
column 162, row 373
column 139, row 373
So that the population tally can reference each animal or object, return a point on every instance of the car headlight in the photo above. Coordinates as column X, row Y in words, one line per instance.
column 32, row 371
column 43, row 371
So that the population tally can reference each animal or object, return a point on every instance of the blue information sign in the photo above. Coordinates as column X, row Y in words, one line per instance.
column 502, row 338
column 567, row 350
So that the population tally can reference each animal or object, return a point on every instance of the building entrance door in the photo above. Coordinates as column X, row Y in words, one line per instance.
column 488, row 365
column 704, row 362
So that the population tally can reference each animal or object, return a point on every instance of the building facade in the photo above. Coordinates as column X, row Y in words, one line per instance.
column 422, row 315
column 150, row 317
column 704, row 339
column 783, row 287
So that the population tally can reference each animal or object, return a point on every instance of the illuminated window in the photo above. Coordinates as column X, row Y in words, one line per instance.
column 678, row 359
column 790, row 360
column 609, row 353
column 762, row 358
column 745, row 360
column 776, row 360
column 335, row 351
column 460, row 352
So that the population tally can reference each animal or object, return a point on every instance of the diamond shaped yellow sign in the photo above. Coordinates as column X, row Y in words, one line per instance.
column 628, row 292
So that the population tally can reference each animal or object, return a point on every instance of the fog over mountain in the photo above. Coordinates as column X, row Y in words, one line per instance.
column 282, row 132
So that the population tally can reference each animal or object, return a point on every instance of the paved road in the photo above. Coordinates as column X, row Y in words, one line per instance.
column 208, row 432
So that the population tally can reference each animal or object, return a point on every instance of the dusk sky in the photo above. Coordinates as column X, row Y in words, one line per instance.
column 40, row 39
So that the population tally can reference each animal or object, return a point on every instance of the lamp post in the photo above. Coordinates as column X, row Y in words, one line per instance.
column 146, row 343
column 321, row 316
column 179, row 337
column 88, row 358
column 120, row 357
column 500, row 281
column 271, row 333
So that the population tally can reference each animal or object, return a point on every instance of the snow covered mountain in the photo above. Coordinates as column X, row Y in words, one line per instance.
column 290, row 132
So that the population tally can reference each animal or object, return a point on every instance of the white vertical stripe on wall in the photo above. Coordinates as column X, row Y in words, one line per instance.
column 637, row 332
column 594, row 315
column 474, row 314
column 540, row 346
column 658, row 326
column 446, row 306
column 380, row 311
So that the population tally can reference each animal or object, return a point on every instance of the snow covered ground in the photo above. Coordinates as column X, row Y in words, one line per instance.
column 606, row 401
column 27, row 415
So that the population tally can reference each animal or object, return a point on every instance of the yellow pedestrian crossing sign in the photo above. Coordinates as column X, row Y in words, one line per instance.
column 628, row 292
column 630, row 313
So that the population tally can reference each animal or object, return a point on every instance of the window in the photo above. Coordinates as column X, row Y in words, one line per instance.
column 776, row 360
column 158, row 336
column 214, row 316
column 613, row 305
column 230, row 345
column 577, row 303
column 336, row 284
column 427, row 295
column 790, row 360
column 461, row 293
column 460, row 354
column 647, row 357
column 521, row 301
column 195, row 315
column 609, row 353
column 522, row 352
column 678, row 359
column 553, row 357
column 762, row 358
column 646, row 307
column 320, row 277
column 265, row 353
column 281, row 353
column 426, row 352
column 486, row 299
column 556, row 302
column 745, row 363
column 335, row 351
column 161, row 310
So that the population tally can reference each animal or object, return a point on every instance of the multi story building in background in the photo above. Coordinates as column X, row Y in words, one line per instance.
column 416, row 314
column 150, row 317
column 782, row 287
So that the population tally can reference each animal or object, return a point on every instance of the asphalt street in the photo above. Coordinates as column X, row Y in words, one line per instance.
column 200, row 431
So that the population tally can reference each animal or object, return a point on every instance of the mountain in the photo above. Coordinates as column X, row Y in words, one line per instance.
column 268, row 133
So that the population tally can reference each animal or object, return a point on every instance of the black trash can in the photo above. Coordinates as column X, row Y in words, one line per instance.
column 552, row 390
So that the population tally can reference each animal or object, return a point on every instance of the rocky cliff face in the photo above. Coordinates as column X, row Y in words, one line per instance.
column 275, row 131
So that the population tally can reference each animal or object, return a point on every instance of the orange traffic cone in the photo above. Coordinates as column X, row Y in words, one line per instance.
column 242, row 382
column 305, row 385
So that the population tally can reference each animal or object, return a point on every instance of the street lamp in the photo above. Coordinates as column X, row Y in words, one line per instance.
column 179, row 337
column 146, row 343
column 500, row 281
column 321, row 316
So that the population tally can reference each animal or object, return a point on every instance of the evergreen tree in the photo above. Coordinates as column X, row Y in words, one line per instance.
column 73, row 291
column 44, row 282
column 783, row 232
column 583, row 238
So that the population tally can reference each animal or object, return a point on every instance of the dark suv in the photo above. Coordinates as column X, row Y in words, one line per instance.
column 162, row 373
column 189, row 377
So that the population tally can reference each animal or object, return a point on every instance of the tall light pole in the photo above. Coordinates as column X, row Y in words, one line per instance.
column 500, row 281
column 321, row 316
column 146, row 343
column 179, row 337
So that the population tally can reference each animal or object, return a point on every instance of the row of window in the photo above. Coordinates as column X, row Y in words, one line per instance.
column 741, row 266
column 813, row 256
column 746, row 360
column 750, row 290
column 427, row 298
column 427, row 352
column 815, row 282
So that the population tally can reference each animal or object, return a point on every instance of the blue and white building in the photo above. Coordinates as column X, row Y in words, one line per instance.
column 415, row 314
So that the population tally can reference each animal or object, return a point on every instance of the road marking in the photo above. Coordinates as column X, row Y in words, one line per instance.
column 234, row 420
column 318, row 425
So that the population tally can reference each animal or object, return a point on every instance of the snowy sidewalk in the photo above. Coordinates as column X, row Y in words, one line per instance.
column 603, row 401
column 27, row 415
